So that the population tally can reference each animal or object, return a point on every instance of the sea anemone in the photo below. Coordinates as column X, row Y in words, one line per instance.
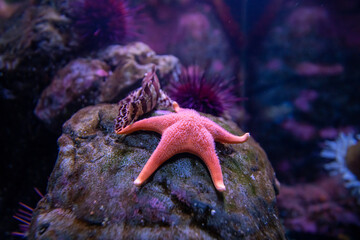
column 193, row 89
column 101, row 22
column 345, row 154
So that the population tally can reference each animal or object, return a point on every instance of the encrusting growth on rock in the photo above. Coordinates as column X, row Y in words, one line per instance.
column 184, row 131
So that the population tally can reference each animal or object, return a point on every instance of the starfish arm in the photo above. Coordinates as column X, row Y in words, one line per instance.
column 168, row 147
column 223, row 136
column 157, row 124
column 213, row 164
column 206, row 151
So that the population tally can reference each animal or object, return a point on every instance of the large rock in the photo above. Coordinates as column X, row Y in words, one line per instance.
column 91, row 194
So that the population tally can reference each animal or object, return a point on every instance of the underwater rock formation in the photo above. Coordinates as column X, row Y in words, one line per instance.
column 78, row 83
column 130, row 63
column 83, row 82
column 91, row 191
column 39, row 34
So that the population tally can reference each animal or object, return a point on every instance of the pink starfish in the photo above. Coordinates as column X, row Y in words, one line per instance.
column 184, row 131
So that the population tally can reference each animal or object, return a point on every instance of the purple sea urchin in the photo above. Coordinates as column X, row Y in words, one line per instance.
column 102, row 22
column 195, row 90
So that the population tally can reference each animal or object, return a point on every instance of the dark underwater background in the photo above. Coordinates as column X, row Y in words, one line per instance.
column 287, row 71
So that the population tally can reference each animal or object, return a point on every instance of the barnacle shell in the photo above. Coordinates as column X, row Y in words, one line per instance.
column 141, row 101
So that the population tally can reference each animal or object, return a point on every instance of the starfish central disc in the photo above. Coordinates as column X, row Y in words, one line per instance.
column 184, row 131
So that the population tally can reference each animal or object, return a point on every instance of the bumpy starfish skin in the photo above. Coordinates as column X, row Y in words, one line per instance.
column 185, row 131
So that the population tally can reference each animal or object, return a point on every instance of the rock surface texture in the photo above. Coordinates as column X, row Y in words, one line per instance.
column 91, row 194
column 34, row 34
column 105, row 79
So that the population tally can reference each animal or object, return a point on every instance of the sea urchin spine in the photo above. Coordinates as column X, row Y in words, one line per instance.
column 195, row 90
column 24, row 215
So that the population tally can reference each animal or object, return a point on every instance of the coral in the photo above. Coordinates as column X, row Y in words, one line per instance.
column 193, row 89
column 343, row 151
column 102, row 22
column 321, row 208
column 91, row 192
